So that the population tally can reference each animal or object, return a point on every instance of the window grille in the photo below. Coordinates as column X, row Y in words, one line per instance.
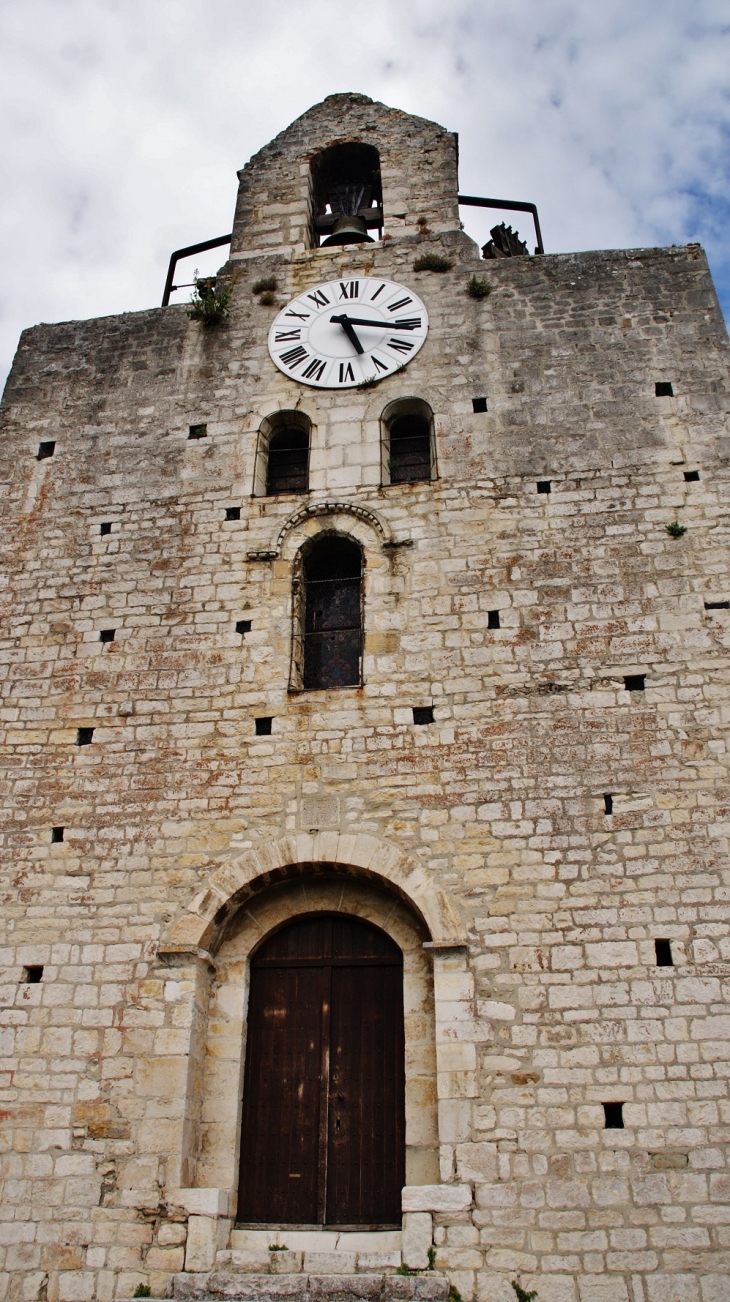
column 328, row 624
column 408, row 442
column 282, row 455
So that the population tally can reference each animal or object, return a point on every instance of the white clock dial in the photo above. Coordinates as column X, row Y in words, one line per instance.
column 344, row 332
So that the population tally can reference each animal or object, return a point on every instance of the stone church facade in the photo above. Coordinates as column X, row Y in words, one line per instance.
column 516, row 787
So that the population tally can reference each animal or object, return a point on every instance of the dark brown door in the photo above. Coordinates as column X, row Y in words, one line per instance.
column 323, row 1129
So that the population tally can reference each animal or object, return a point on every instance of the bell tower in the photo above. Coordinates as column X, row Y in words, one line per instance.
column 365, row 762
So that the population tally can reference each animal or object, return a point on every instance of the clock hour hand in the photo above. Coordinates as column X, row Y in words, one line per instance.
column 344, row 321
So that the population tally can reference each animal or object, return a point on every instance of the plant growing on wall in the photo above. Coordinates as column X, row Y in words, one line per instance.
column 522, row 1294
column 211, row 301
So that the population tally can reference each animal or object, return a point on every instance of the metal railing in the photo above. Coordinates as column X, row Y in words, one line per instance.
column 466, row 200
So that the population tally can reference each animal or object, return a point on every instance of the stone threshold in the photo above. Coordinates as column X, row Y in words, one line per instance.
column 283, row 1251
column 219, row 1285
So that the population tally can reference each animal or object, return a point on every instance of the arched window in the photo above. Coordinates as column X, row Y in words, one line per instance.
column 408, row 449
column 282, row 454
column 327, row 641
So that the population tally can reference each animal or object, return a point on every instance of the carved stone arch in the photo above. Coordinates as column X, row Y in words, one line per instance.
column 233, row 881
column 365, row 525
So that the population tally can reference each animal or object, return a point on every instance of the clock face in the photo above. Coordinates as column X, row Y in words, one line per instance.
column 344, row 332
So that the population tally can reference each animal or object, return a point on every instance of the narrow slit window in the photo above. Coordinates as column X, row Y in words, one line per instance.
column 663, row 952
column 717, row 605
column 408, row 451
column 327, row 646
column 608, row 803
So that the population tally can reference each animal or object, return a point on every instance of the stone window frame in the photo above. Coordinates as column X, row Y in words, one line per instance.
column 224, row 1049
column 407, row 406
column 271, row 425
column 298, row 610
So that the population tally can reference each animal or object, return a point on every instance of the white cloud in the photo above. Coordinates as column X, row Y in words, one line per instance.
column 126, row 122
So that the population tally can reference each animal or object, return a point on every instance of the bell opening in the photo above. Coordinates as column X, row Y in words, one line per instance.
column 347, row 198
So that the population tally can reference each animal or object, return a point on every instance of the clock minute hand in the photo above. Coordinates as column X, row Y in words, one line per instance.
column 346, row 324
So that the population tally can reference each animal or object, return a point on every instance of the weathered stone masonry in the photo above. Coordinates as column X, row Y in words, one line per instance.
column 484, row 835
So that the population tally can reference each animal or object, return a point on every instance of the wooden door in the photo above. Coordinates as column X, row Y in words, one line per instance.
column 323, row 1128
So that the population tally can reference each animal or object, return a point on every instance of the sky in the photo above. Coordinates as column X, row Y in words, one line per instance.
column 125, row 121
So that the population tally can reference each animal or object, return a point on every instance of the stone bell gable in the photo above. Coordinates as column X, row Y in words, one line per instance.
column 418, row 163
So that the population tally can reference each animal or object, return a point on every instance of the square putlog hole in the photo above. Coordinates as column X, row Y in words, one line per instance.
column 233, row 513
column 107, row 634
column 423, row 714
column 691, row 476
column 45, row 450
column 105, row 528
column 614, row 1116
column 493, row 619
column 198, row 432
column 57, row 834
column 663, row 953
column 243, row 626
column 32, row 974
column 263, row 726
column 479, row 404
column 635, row 682
column 663, row 389
column 84, row 736
column 544, row 486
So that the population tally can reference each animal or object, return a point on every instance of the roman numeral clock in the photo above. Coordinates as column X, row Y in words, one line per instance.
column 346, row 332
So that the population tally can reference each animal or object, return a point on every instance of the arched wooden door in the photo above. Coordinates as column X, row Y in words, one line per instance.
column 323, row 1128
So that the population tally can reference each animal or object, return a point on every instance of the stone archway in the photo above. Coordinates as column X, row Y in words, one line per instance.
column 232, row 881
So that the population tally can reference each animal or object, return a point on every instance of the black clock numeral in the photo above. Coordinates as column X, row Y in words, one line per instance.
column 315, row 369
column 381, row 366
column 319, row 298
column 282, row 335
column 401, row 345
column 294, row 357
column 345, row 373
column 393, row 307
column 407, row 323
column 350, row 289
column 378, row 291
column 301, row 316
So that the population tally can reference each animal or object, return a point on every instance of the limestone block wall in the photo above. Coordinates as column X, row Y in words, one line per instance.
column 556, row 1004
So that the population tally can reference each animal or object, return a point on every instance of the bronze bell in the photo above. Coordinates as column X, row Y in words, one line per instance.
column 348, row 230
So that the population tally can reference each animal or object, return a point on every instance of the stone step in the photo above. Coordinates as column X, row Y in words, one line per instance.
column 295, row 1261
column 221, row 1285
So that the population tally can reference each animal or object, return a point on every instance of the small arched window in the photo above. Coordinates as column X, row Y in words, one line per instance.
column 282, row 455
column 408, row 446
column 327, row 642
